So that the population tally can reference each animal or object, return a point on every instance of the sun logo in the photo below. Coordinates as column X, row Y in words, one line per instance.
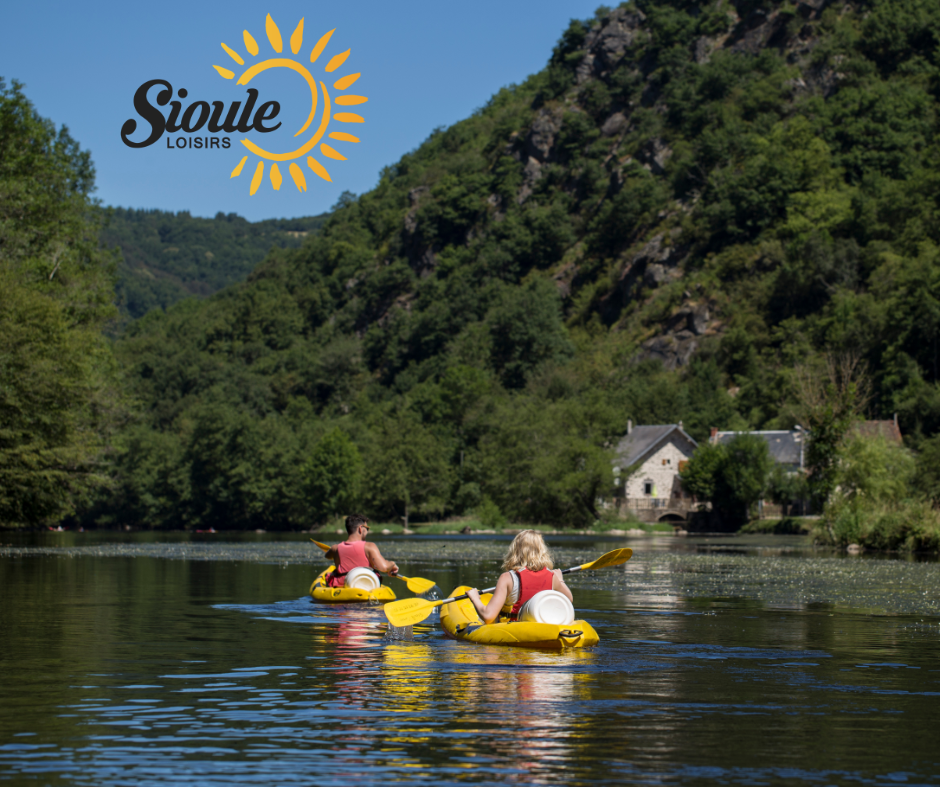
column 343, row 83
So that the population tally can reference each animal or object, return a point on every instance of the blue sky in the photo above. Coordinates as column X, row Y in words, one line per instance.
column 423, row 64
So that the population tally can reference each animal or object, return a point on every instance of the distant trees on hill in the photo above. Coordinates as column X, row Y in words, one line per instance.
column 167, row 256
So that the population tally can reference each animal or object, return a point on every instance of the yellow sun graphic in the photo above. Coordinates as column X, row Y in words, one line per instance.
column 343, row 83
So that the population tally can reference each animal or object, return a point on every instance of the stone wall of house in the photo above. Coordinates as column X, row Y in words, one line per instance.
column 661, row 468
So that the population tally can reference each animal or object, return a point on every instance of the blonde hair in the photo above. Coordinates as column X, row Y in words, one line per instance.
column 528, row 551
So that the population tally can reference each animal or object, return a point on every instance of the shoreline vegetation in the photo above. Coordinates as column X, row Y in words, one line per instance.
column 905, row 527
column 462, row 525
column 472, row 526
column 910, row 530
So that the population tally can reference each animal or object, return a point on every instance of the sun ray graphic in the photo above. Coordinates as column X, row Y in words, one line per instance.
column 324, row 108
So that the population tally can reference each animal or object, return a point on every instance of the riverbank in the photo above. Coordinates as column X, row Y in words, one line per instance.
column 472, row 526
column 906, row 527
column 782, row 525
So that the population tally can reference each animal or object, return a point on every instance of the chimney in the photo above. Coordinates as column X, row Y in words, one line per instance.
column 713, row 435
column 629, row 426
column 895, row 419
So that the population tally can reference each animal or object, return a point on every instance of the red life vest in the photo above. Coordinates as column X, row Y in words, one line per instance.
column 351, row 555
column 530, row 583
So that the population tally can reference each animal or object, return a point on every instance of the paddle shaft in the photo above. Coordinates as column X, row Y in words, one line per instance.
column 488, row 590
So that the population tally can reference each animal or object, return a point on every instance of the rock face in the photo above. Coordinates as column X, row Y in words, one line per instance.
column 676, row 346
column 411, row 218
column 537, row 149
column 421, row 255
column 658, row 259
column 614, row 125
column 657, row 263
column 607, row 43
column 541, row 136
column 673, row 350
column 654, row 156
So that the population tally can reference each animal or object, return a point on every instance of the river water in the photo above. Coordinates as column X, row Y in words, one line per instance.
column 171, row 659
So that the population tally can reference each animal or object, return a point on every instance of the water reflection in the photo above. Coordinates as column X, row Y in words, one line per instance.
column 540, row 696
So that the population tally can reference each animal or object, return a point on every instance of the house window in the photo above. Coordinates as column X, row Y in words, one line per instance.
column 647, row 488
column 667, row 462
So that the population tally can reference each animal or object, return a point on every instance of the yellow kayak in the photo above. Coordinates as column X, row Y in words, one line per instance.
column 320, row 591
column 461, row 621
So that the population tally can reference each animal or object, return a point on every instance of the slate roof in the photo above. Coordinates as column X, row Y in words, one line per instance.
column 643, row 440
column 786, row 446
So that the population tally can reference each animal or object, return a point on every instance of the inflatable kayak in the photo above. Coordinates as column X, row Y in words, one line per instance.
column 460, row 621
column 320, row 591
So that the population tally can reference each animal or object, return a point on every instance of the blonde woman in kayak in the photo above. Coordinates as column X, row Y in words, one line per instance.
column 356, row 551
column 528, row 566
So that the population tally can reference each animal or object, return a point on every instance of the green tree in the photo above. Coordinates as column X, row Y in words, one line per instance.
column 152, row 481
column 332, row 476
column 872, row 475
column 831, row 398
column 57, row 400
column 732, row 475
column 545, row 462
column 406, row 468
column 875, row 469
column 743, row 477
column 526, row 330
column 927, row 473
column 785, row 487
column 700, row 476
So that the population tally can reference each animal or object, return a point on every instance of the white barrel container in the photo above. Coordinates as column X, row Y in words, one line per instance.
column 548, row 607
column 362, row 577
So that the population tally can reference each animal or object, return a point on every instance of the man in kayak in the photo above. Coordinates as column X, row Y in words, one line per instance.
column 529, row 570
column 356, row 551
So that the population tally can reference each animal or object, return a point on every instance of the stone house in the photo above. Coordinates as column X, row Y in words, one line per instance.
column 647, row 464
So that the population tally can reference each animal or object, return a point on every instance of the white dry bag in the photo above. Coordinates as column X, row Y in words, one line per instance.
column 548, row 607
column 362, row 577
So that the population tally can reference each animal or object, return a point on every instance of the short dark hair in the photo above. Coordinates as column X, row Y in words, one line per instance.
column 354, row 521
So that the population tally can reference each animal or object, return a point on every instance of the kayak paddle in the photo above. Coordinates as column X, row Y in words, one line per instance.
column 406, row 612
column 417, row 585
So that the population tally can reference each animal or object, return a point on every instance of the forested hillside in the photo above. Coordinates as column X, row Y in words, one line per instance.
column 166, row 256
column 684, row 212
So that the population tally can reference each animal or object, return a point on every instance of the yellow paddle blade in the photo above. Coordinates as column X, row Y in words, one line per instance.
column 323, row 547
column 419, row 585
column 613, row 558
column 405, row 612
